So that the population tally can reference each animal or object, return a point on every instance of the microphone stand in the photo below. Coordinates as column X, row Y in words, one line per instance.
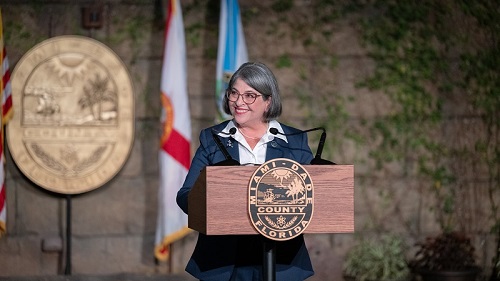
column 269, row 259
column 317, row 159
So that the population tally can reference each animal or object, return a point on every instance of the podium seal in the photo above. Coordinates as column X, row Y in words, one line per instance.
column 280, row 199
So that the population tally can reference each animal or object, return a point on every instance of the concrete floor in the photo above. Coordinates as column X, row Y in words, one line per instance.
column 119, row 277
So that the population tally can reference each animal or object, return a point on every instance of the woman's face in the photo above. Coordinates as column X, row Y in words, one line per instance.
column 247, row 114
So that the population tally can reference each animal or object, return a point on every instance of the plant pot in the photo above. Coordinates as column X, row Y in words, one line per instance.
column 468, row 274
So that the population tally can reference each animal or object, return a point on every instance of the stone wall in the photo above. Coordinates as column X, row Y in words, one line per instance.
column 114, row 226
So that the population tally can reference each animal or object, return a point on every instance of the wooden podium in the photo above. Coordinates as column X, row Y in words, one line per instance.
column 218, row 202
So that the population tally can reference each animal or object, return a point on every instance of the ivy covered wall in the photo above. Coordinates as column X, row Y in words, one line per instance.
column 408, row 92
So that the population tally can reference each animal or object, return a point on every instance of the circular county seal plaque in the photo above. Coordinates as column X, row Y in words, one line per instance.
column 280, row 201
column 73, row 123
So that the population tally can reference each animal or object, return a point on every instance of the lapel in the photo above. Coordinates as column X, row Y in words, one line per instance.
column 276, row 149
column 232, row 147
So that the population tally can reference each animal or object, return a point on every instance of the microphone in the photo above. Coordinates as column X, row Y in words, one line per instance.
column 317, row 160
column 232, row 131
column 229, row 160
column 275, row 131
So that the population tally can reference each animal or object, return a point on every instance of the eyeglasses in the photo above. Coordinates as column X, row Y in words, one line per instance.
column 248, row 98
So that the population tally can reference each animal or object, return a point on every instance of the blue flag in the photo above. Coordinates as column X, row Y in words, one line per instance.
column 232, row 51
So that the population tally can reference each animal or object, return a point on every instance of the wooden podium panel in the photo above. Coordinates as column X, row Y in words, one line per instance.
column 218, row 202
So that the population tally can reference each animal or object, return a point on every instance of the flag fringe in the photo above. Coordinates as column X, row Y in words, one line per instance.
column 167, row 240
column 3, row 229
column 7, row 116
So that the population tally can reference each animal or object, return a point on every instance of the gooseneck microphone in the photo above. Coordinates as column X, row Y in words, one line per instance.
column 275, row 131
column 232, row 131
column 229, row 160
column 317, row 160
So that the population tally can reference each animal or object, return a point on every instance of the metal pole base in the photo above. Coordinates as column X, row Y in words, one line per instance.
column 269, row 259
column 67, row 270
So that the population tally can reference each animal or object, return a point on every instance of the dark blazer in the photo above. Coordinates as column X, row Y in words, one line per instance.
column 239, row 257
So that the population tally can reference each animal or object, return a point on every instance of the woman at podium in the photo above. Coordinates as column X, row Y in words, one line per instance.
column 253, row 100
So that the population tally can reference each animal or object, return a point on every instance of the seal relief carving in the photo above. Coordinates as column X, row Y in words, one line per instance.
column 73, row 123
column 280, row 199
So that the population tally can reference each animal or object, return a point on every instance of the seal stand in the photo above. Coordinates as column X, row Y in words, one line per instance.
column 67, row 270
column 223, row 190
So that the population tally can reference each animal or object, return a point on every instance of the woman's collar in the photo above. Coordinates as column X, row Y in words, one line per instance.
column 268, row 136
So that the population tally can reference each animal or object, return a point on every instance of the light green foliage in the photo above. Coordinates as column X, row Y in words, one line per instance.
column 417, row 47
column 377, row 259
column 284, row 61
column 427, row 53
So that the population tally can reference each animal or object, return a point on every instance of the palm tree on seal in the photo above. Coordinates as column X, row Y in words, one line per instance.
column 295, row 188
column 95, row 93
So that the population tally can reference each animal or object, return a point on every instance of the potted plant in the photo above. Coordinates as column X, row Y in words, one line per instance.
column 448, row 256
column 377, row 260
